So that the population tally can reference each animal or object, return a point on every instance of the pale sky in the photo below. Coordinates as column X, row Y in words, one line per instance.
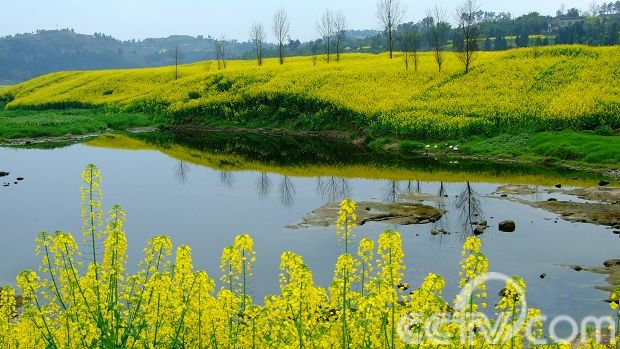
column 139, row 19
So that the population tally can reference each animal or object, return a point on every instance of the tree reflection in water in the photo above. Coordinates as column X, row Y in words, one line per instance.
column 411, row 188
column 468, row 202
column 263, row 185
column 287, row 191
column 332, row 189
column 181, row 172
column 226, row 178
column 391, row 191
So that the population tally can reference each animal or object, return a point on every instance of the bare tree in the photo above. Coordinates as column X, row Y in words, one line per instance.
column 221, row 46
column 411, row 40
column 257, row 35
column 438, row 33
column 466, row 44
column 281, row 28
column 389, row 14
column 340, row 31
column 176, row 56
column 325, row 27
column 594, row 9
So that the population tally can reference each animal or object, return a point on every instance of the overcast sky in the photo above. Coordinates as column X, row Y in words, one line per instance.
column 139, row 19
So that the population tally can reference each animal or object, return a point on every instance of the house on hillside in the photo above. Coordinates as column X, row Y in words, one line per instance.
column 564, row 22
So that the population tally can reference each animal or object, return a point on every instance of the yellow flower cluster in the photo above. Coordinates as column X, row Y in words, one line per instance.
column 346, row 222
column 168, row 304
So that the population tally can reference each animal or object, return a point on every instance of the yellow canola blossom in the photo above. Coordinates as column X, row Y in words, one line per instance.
column 560, row 87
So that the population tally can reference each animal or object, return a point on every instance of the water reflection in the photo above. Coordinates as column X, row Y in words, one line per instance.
column 468, row 202
column 332, row 189
column 287, row 191
column 411, row 188
column 263, row 185
column 226, row 178
column 440, row 204
column 391, row 192
column 287, row 173
column 317, row 157
column 181, row 172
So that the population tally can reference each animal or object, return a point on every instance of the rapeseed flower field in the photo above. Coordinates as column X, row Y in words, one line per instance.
column 561, row 87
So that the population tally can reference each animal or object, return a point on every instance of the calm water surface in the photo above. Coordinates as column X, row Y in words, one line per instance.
column 206, row 207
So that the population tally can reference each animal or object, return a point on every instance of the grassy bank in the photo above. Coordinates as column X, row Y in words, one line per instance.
column 584, row 149
column 52, row 123
column 576, row 149
column 562, row 87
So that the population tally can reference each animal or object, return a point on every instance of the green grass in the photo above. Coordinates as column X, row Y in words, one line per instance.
column 51, row 123
column 571, row 147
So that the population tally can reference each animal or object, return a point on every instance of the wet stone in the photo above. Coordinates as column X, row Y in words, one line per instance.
column 507, row 226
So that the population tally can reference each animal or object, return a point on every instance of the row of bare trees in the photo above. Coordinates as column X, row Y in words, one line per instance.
column 281, row 29
column 390, row 14
column 332, row 26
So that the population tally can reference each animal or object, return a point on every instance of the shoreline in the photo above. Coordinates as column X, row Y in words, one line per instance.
column 333, row 135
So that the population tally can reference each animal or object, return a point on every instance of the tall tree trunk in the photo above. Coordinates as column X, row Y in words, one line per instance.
column 338, row 50
column 281, row 57
column 328, row 51
column 390, row 42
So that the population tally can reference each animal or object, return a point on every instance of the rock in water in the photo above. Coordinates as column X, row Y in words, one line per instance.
column 4, row 174
column 603, row 183
column 439, row 231
column 507, row 226
column 400, row 213
column 479, row 230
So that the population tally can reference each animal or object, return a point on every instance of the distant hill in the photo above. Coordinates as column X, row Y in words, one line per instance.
column 25, row 56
